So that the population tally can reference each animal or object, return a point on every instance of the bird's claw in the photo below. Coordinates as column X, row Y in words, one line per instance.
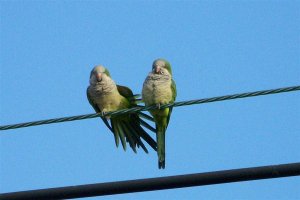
column 104, row 113
column 158, row 106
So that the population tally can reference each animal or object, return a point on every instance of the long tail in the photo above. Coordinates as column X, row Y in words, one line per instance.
column 160, row 138
column 130, row 131
column 143, row 134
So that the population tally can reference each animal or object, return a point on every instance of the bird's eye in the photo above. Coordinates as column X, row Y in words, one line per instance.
column 161, row 72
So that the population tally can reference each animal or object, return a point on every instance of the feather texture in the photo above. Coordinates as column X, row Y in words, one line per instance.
column 105, row 96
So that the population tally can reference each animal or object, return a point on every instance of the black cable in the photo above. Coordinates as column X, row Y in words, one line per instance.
column 142, row 108
column 161, row 183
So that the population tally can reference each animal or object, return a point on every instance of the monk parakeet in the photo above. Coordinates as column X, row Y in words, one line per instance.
column 159, row 88
column 105, row 96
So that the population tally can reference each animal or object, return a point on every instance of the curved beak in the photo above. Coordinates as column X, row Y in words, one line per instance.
column 99, row 77
column 157, row 69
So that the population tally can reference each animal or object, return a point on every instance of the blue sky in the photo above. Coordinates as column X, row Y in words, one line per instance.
column 216, row 48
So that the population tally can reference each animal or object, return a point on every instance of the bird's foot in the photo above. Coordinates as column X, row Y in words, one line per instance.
column 158, row 106
column 104, row 113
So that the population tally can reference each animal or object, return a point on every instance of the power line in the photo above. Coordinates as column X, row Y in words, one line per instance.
column 161, row 183
column 142, row 108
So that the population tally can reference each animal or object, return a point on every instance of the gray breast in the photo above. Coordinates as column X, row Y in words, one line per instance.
column 157, row 89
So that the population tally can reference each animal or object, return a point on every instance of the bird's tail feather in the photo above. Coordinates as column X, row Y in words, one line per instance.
column 132, row 132
column 107, row 124
column 129, row 137
column 115, row 132
column 148, row 126
column 135, row 136
column 145, row 116
column 121, row 135
column 160, row 138
column 142, row 133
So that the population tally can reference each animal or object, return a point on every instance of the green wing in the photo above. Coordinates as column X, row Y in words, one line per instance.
column 127, row 93
column 174, row 91
column 174, row 94
column 135, row 121
column 127, row 131
column 97, row 110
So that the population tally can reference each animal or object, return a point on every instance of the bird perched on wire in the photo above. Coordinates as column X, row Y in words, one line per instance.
column 105, row 96
column 159, row 88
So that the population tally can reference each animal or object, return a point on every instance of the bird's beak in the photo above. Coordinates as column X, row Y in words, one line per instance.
column 157, row 69
column 99, row 77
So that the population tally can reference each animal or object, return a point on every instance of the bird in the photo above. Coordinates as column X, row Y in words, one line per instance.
column 105, row 95
column 159, row 88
